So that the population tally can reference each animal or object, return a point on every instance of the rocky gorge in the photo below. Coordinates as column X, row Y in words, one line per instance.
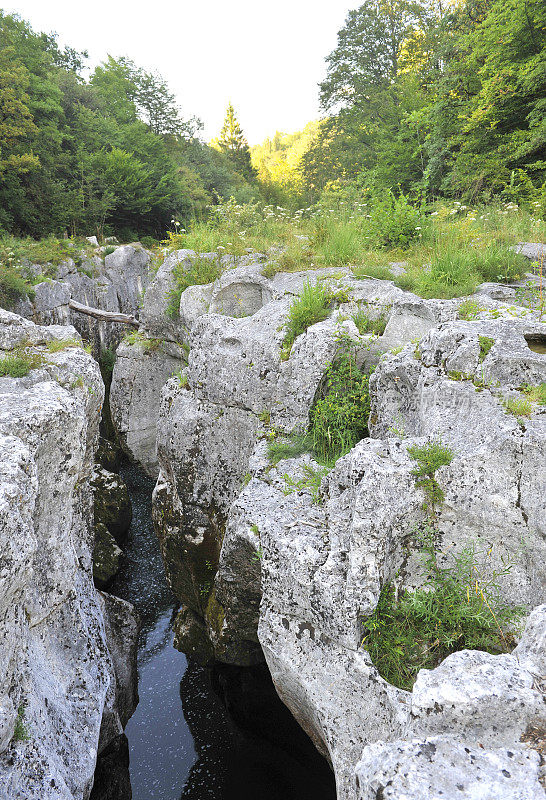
column 266, row 563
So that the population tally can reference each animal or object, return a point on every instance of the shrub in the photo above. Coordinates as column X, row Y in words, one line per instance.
column 201, row 271
column 457, row 608
column 12, row 286
column 310, row 307
column 148, row 242
column 339, row 418
column 108, row 250
column 394, row 222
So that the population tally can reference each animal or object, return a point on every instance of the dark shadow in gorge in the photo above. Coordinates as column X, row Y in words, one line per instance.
column 231, row 738
column 248, row 744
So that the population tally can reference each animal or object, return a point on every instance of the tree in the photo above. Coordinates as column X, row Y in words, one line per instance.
column 233, row 143
column 16, row 122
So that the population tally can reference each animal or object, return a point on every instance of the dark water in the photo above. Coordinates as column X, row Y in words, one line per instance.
column 201, row 733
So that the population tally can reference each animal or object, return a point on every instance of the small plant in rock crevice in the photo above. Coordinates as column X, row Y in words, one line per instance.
column 312, row 478
column 20, row 732
column 312, row 306
column 519, row 406
column 429, row 458
column 536, row 394
column 486, row 343
column 148, row 345
column 339, row 417
column 200, row 272
column 457, row 608
column 19, row 363
column 469, row 310
column 367, row 324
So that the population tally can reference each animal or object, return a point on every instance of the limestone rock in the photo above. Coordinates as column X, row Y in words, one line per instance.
column 106, row 556
column 439, row 767
column 111, row 502
column 54, row 659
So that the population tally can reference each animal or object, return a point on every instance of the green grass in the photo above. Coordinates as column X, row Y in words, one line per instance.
column 18, row 364
column 486, row 343
column 536, row 394
column 519, row 406
column 339, row 417
column 55, row 345
column 312, row 479
column 200, row 272
column 147, row 344
column 290, row 447
column 312, row 306
column 20, row 732
column 367, row 324
column 457, row 608
column 469, row 310
column 13, row 286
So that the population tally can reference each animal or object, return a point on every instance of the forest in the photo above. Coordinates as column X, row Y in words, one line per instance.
column 427, row 100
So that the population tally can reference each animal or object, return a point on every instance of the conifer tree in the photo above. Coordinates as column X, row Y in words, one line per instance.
column 233, row 143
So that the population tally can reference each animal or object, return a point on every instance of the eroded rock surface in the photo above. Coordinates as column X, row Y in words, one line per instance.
column 268, row 565
column 61, row 682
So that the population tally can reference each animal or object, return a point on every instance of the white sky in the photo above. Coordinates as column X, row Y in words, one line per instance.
column 266, row 57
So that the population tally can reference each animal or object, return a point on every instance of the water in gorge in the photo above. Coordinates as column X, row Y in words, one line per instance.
column 202, row 733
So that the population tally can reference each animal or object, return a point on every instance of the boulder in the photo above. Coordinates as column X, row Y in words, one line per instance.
column 111, row 503
column 106, row 557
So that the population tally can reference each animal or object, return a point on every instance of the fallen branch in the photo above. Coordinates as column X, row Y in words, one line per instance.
column 107, row 316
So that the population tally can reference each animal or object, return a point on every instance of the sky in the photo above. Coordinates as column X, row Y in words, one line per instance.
column 265, row 57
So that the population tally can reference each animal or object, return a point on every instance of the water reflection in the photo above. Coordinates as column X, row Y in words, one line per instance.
column 198, row 733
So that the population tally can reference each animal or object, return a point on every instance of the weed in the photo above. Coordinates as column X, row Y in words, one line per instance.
column 255, row 530
column 147, row 344
column 536, row 394
column 486, row 343
column 247, row 477
column 108, row 250
column 456, row 609
column 312, row 478
column 312, row 306
column 519, row 406
column 265, row 416
column 200, row 272
column 339, row 417
column 469, row 309
column 429, row 458
column 19, row 363
column 374, row 272
column 20, row 731
column 77, row 383
column 367, row 324
column 56, row 345
column 182, row 379
column 291, row 447
column 13, row 286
